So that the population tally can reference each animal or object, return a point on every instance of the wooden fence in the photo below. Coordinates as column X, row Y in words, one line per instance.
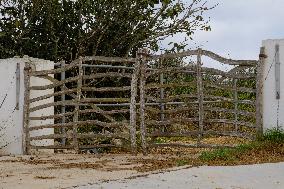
column 96, row 99
column 181, row 98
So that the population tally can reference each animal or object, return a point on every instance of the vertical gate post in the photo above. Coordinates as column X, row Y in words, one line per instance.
column 26, row 111
column 142, row 56
column 63, row 108
column 259, row 91
column 236, row 104
column 162, row 96
column 133, row 113
column 77, row 107
column 200, row 95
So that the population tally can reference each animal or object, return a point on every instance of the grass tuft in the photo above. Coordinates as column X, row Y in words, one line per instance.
column 272, row 142
column 274, row 135
column 181, row 162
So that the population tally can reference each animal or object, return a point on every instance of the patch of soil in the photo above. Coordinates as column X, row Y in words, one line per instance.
column 81, row 165
column 224, row 140
column 44, row 177
column 270, row 153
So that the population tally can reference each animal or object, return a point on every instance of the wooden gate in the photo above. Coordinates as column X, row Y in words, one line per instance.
column 181, row 100
column 95, row 101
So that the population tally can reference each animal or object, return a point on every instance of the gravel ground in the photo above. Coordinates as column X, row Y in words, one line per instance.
column 262, row 176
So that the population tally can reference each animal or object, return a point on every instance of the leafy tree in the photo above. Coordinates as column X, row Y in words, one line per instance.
column 63, row 29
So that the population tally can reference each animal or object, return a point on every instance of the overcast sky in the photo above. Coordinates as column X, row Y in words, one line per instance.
column 239, row 26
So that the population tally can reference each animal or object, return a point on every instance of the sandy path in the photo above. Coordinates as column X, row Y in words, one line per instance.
column 61, row 171
column 58, row 171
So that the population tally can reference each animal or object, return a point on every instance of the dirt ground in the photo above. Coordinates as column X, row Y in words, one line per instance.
column 66, row 170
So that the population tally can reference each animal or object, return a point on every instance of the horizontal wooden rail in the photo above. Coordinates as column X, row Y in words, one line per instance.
column 171, row 98
column 204, row 70
column 80, row 136
column 108, row 74
column 187, row 109
column 217, row 99
column 225, row 110
column 104, row 100
column 55, row 116
column 81, row 147
column 228, row 121
column 171, row 70
column 214, row 71
column 110, row 112
column 196, row 145
column 197, row 133
column 59, row 103
column 82, row 102
column 80, row 123
column 226, row 87
column 170, row 111
column 107, row 59
column 107, row 66
column 220, row 99
column 55, row 71
column 171, row 85
column 106, row 89
column 56, row 84
column 205, row 53
column 86, row 111
column 171, row 121
column 68, row 91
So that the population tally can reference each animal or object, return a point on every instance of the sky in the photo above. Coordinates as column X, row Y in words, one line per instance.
column 239, row 26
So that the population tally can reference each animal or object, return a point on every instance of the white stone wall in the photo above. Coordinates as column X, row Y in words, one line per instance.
column 11, row 120
column 270, row 104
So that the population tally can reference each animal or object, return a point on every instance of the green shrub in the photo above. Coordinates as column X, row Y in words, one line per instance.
column 271, row 137
column 275, row 135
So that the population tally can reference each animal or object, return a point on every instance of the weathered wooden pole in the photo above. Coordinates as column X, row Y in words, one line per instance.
column 162, row 96
column 63, row 107
column 142, row 55
column 26, row 110
column 133, row 110
column 235, row 91
column 77, row 107
column 200, row 95
column 259, row 91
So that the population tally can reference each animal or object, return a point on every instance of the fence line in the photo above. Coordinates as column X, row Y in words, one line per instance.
column 96, row 101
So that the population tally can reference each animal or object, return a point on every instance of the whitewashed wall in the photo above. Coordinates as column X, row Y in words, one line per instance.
column 270, row 104
column 11, row 120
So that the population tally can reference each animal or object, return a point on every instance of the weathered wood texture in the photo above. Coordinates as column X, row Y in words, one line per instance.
column 133, row 111
column 26, row 111
column 259, row 91
column 198, row 109
column 208, row 54
column 143, row 64
column 209, row 103
column 78, row 107
column 200, row 94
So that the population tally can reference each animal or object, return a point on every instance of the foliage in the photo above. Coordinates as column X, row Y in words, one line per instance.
column 270, row 139
column 181, row 162
column 274, row 135
column 63, row 30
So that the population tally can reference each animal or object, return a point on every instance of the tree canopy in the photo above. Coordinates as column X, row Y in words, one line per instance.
column 65, row 29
